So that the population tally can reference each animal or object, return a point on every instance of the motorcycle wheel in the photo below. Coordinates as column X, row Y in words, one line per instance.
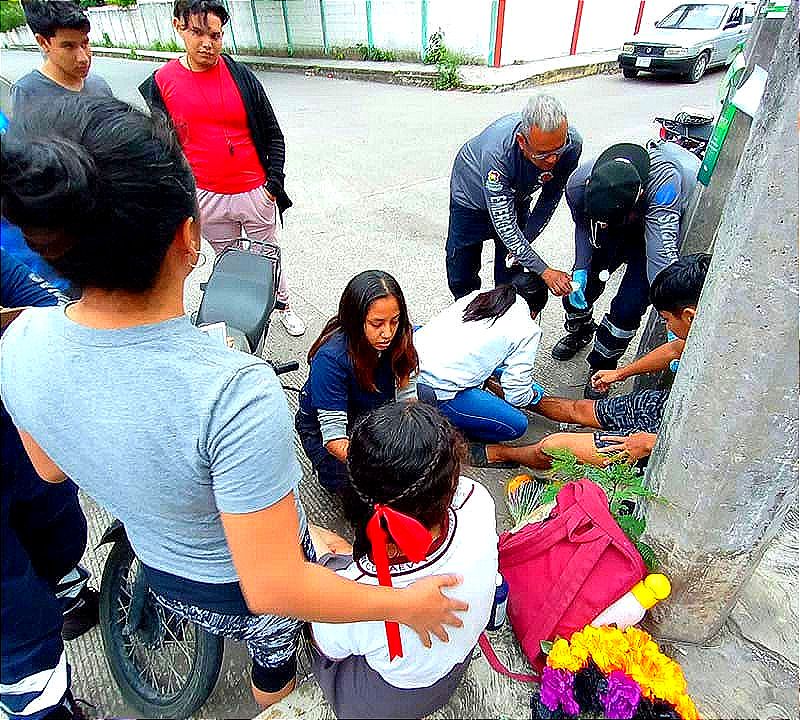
column 166, row 667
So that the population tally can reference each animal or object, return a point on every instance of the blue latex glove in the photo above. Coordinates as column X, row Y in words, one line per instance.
column 538, row 393
column 674, row 363
column 576, row 297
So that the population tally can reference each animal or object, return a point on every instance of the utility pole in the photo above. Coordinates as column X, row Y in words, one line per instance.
column 726, row 457
column 702, row 216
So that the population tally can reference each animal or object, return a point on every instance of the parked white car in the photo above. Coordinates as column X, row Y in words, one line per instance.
column 689, row 40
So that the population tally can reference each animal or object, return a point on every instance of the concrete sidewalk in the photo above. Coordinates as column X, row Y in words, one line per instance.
column 475, row 78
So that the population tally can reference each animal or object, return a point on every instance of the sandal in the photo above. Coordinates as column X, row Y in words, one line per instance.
column 477, row 458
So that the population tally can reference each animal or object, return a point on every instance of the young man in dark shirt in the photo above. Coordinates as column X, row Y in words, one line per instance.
column 61, row 29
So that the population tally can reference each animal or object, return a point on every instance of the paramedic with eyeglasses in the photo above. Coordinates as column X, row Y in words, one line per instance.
column 628, row 208
column 495, row 176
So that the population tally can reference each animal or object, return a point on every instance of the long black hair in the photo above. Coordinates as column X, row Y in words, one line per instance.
column 98, row 188
column 495, row 303
column 362, row 290
column 405, row 455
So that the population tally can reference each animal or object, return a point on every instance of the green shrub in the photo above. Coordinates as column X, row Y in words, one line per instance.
column 11, row 15
column 447, row 76
column 169, row 46
column 436, row 48
column 100, row 3
column 624, row 487
column 446, row 61
column 373, row 53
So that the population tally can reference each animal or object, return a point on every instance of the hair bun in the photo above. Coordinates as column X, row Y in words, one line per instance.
column 49, row 184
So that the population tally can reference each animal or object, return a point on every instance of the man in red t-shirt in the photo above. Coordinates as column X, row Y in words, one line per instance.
column 230, row 136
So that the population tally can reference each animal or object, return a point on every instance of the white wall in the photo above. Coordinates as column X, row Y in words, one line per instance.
column 606, row 24
column 537, row 29
column 533, row 29
column 346, row 21
column 305, row 23
column 466, row 24
column 397, row 24
column 18, row 36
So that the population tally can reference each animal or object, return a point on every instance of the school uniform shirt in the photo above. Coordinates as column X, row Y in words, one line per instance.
column 455, row 355
column 468, row 547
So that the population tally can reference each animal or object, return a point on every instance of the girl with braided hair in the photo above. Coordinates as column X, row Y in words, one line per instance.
column 413, row 516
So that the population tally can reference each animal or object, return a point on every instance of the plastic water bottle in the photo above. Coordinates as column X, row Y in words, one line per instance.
column 498, row 617
column 631, row 607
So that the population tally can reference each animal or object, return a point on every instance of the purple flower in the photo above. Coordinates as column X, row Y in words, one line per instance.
column 622, row 696
column 558, row 689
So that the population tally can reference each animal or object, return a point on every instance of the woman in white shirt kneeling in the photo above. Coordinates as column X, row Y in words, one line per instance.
column 480, row 335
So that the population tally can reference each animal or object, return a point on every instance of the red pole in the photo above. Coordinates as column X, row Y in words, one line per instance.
column 498, row 32
column 639, row 17
column 576, row 28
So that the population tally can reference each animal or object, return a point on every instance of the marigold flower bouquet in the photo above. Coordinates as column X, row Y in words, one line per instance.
column 604, row 672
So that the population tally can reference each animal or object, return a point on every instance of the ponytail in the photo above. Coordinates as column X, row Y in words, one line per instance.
column 496, row 303
column 490, row 304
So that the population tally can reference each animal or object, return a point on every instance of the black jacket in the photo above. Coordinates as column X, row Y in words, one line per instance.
column 264, row 128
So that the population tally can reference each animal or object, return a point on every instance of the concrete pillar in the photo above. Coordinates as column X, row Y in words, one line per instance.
column 702, row 217
column 726, row 457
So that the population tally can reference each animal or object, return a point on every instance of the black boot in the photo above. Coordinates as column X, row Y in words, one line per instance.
column 82, row 614
column 573, row 342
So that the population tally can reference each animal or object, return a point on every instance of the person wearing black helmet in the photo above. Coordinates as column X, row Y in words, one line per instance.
column 627, row 206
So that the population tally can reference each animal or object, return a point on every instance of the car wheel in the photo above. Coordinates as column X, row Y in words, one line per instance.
column 698, row 68
column 629, row 72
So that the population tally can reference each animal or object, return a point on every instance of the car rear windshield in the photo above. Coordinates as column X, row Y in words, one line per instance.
column 694, row 17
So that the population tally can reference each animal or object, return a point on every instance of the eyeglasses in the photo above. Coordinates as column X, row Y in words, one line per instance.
column 558, row 152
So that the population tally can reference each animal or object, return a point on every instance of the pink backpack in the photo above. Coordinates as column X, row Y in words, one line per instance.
column 564, row 571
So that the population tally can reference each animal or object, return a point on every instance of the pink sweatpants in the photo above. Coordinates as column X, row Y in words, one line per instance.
column 226, row 218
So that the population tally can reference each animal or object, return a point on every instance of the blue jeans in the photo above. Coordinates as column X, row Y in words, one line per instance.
column 484, row 417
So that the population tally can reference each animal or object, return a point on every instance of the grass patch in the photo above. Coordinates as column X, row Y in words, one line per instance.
column 11, row 15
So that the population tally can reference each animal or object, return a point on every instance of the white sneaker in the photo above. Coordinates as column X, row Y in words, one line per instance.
column 292, row 322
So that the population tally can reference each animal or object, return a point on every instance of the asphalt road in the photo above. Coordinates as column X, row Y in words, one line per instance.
column 368, row 170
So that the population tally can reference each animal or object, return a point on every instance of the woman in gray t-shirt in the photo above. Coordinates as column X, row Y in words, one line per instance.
column 188, row 443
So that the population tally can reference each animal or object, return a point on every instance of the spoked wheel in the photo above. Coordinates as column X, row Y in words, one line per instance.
column 698, row 68
column 165, row 667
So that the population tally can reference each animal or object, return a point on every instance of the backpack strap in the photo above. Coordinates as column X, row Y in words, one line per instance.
column 497, row 666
